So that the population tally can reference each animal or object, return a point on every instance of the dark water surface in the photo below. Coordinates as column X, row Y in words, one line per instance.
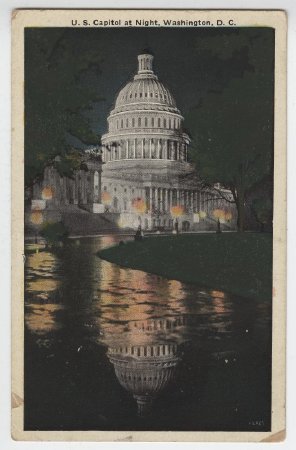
column 108, row 348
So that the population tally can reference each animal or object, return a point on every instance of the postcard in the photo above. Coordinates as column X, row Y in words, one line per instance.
column 148, row 225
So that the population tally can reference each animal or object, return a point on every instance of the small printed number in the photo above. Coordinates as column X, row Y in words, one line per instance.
column 257, row 423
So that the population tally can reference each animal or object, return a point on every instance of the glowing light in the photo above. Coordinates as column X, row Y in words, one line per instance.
column 228, row 216
column 106, row 198
column 219, row 214
column 202, row 214
column 123, row 222
column 177, row 211
column 36, row 217
column 47, row 193
column 139, row 205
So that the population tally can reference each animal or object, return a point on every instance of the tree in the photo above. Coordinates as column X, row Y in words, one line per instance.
column 58, row 98
column 232, row 130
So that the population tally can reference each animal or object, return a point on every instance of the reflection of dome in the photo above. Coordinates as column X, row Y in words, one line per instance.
column 144, row 370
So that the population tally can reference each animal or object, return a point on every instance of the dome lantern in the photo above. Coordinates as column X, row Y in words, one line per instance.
column 145, row 63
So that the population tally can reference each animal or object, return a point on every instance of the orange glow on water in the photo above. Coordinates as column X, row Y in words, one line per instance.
column 47, row 193
column 217, row 294
column 177, row 211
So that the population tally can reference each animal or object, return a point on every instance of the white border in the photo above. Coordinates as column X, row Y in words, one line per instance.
column 6, row 7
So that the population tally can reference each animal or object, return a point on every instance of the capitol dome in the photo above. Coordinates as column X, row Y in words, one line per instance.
column 145, row 122
column 145, row 90
column 145, row 370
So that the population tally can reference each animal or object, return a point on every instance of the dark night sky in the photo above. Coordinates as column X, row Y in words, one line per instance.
column 182, row 61
column 186, row 60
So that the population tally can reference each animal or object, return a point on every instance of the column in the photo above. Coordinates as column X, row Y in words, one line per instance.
column 156, row 198
column 178, row 197
column 99, row 196
column 135, row 148
column 191, row 201
column 142, row 149
column 166, row 200
column 150, row 149
column 161, row 200
column 127, row 149
column 178, row 150
column 183, row 198
column 150, row 198
column 158, row 150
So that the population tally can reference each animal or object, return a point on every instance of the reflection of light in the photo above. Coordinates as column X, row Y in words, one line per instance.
column 106, row 198
column 36, row 217
column 219, row 303
column 108, row 240
column 139, row 205
column 40, row 319
column 177, row 211
column 217, row 294
column 43, row 284
column 47, row 193
column 40, row 264
column 202, row 214
column 125, row 296
column 176, row 290
column 228, row 216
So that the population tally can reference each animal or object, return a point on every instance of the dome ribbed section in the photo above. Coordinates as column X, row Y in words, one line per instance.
column 145, row 90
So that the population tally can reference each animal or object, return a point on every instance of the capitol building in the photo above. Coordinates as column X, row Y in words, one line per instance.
column 141, row 175
column 146, row 176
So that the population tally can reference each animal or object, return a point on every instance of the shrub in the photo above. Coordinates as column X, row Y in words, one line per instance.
column 54, row 232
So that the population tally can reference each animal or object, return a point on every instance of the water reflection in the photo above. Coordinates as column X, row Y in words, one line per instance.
column 145, row 357
column 100, row 320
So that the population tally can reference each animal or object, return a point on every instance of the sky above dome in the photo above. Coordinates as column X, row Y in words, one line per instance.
column 186, row 60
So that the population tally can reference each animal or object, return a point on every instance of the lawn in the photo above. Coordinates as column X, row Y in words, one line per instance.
column 239, row 263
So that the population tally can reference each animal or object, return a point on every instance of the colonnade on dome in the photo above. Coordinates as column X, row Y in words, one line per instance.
column 146, row 148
